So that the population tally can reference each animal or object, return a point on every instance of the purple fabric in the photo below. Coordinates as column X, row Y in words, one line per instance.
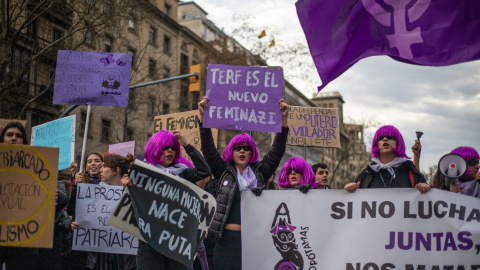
column 422, row 32
column 92, row 78
column 244, row 98
column 95, row 180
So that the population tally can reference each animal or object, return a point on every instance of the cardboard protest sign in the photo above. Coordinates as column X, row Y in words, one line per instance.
column 244, row 98
column 95, row 203
column 4, row 122
column 396, row 228
column 173, row 215
column 122, row 149
column 59, row 133
column 123, row 217
column 28, row 180
column 92, row 78
column 313, row 126
column 187, row 123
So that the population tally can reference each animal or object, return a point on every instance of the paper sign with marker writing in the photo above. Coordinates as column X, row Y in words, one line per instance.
column 59, row 133
column 313, row 126
column 92, row 78
column 244, row 98
column 28, row 180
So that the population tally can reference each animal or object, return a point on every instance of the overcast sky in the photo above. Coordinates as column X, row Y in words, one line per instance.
column 443, row 102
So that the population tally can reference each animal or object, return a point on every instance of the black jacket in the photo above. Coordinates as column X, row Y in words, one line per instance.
column 225, row 174
column 366, row 176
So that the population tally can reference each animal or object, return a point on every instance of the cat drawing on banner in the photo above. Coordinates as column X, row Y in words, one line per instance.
column 284, row 240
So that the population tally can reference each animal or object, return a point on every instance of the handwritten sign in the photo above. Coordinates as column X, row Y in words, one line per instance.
column 122, row 149
column 59, row 133
column 92, row 78
column 28, row 179
column 4, row 122
column 313, row 126
column 170, row 210
column 95, row 203
column 187, row 123
column 244, row 98
column 388, row 228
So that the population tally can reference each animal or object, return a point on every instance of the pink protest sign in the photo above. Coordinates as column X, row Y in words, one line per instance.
column 244, row 98
column 92, row 78
column 122, row 148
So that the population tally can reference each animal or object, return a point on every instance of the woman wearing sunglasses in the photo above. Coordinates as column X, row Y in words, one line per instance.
column 390, row 166
column 297, row 173
column 163, row 151
column 469, row 181
column 238, row 169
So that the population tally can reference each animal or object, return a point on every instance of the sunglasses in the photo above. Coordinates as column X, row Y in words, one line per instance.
column 473, row 162
column 390, row 138
column 169, row 147
column 239, row 148
column 10, row 134
column 292, row 170
column 322, row 172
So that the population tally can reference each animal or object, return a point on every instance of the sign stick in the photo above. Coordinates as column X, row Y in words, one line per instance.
column 305, row 152
column 85, row 135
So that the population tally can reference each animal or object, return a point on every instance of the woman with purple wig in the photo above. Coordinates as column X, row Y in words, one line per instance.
column 296, row 172
column 238, row 169
column 390, row 166
column 469, row 182
column 163, row 151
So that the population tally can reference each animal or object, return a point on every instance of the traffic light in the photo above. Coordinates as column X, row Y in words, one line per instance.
column 194, row 81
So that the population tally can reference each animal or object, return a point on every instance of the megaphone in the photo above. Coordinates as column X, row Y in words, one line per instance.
column 452, row 166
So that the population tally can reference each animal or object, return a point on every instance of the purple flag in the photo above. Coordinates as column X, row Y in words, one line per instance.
column 92, row 78
column 244, row 98
column 421, row 32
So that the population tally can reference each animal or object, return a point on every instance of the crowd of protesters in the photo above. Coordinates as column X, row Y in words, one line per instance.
column 239, row 168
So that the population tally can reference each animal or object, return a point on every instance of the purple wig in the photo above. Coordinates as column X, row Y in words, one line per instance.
column 156, row 144
column 467, row 153
column 301, row 166
column 393, row 132
column 241, row 139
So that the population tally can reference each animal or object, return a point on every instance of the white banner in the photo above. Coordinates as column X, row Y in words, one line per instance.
column 95, row 204
column 371, row 229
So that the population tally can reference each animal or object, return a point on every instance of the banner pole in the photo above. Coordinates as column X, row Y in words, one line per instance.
column 305, row 153
column 85, row 135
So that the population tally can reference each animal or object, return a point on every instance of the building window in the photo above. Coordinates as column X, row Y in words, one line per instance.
column 184, row 46
column 166, row 108
column 152, row 35
column 330, row 105
column 83, row 122
column 166, row 72
column 108, row 44
column 151, row 68
column 168, row 10
column 56, row 34
column 352, row 157
column 184, row 67
column 131, row 24
column 129, row 135
column 32, row 29
column 133, row 53
column 150, row 106
column 166, row 44
column 106, row 124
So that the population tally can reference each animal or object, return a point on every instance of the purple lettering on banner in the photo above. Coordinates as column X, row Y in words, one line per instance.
column 244, row 98
column 92, row 78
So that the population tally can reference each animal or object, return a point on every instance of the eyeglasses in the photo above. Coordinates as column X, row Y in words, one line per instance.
column 473, row 162
column 322, row 172
column 169, row 147
column 390, row 138
column 10, row 134
column 239, row 148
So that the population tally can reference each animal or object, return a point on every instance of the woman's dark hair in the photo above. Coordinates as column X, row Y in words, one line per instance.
column 115, row 161
column 16, row 125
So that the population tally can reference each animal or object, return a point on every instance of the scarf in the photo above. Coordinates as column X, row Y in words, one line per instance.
column 176, row 169
column 470, row 188
column 95, row 180
column 247, row 180
column 376, row 165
